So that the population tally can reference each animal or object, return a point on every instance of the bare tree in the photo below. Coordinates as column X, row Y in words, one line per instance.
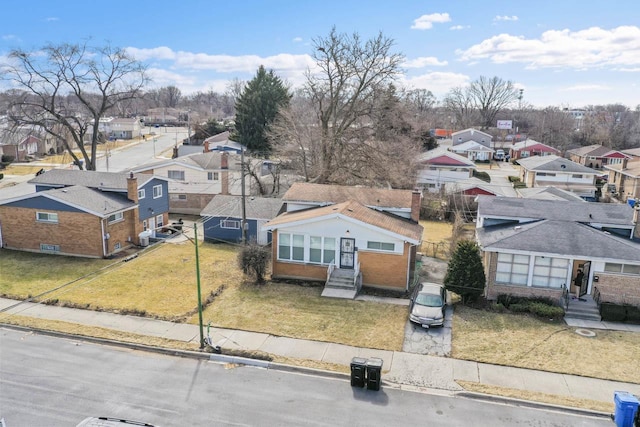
column 68, row 88
column 342, row 87
column 170, row 96
column 460, row 104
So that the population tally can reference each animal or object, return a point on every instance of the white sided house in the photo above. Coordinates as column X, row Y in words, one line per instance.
column 440, row 168
column 552, row 170
column 345, row 245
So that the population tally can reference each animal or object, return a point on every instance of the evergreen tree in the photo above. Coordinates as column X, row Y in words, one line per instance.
column 256, row 109
column 465, row 274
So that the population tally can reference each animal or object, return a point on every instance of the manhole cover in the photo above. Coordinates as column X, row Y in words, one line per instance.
column 585, row 333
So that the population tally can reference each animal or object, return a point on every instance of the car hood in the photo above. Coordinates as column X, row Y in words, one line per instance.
column 428, row 312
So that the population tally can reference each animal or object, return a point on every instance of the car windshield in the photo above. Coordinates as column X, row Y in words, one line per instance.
column 429, row 300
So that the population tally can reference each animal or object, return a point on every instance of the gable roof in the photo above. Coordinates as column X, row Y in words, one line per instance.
column 532, row 144
column 553, row 163
column 549, row 193
column 563, row 238
column 472, row 146
column 513, row 207
column 210, row 161
column 331, row 194
column 92, row 179
column 596, row 150
column 90, row 200
column 472, row 132
column 443, row 157
column 473, row 182
column 356, row 211
column 231, row 206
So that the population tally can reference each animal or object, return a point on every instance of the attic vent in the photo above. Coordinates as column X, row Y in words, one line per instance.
column 563, row 166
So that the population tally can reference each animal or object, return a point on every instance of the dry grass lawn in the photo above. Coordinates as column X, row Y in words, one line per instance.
column 161, row 283
column 526, row 342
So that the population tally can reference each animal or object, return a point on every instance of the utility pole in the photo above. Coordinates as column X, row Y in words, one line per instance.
column 243, row 198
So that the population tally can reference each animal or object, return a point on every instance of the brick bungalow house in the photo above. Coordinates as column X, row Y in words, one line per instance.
column 347, row 237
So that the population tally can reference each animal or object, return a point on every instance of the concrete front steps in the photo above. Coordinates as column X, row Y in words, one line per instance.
column 341, row 285
column 584, row 308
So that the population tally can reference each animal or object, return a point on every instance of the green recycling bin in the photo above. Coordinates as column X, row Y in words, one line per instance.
column 358, row 371
column 374, row 373
column 626, row 407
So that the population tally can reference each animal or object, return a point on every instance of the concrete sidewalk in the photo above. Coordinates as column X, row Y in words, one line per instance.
column 404, row 369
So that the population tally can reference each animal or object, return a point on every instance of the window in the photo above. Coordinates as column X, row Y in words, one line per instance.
column 291, row 246
column 177, row 175
column 545, row 174
column 157, row 191
column 178, row 196
column 212, row 176
column 550, row 272
column 230, row 223
column 512, row 269
column 141, row 194
column 577, row 175
column 144, row 225
column 381, row 246
column 49, row 248
column 160, row 220
column 117, row 246
column 46, row 217
column 322, row 250
column 116, row 217
column 622, row 268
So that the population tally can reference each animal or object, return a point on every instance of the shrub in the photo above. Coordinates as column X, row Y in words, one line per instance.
column 541, row 309
column 633, row 314
column 482, row 175
column 1, row 175
column 253, row 260
column 612, row 312
column 520, row 307
column 513, row 178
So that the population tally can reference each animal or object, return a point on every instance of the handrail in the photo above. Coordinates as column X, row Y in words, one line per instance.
column 332, row 266
column 355, row 275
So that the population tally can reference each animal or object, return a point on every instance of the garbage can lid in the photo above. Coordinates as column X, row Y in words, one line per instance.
column 359, row 360
column 625, row 397
column 375, row 361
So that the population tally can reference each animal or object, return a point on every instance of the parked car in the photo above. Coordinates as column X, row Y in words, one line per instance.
column 427, row 305
column 499, row 155
column 110, row 422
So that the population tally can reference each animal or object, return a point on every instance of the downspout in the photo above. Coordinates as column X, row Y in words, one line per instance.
column 104, row 245
column 409, row 266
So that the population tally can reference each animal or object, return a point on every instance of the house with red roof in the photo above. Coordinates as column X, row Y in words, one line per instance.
column 440, row 168
column 596, row 156
column 529, row 148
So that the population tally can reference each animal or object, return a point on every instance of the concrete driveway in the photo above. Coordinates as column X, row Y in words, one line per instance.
column 431, row 341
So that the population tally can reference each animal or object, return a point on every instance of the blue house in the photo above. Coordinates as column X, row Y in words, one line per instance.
column 222, row 218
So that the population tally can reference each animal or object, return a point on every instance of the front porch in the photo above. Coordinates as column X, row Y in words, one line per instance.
column 342, row 282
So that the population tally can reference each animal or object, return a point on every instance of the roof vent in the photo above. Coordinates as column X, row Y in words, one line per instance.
column 563, row 166
column 517, row 227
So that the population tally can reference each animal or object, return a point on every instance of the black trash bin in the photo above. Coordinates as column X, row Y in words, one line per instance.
column 374, row 373
column 358, row 371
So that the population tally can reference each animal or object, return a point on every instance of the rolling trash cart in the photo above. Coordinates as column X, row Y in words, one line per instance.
column 374, row 373
column 626, row 409
column 358, row 371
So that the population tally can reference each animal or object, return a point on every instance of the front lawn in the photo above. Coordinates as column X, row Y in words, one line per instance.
column 526, row 342
column 161, row 282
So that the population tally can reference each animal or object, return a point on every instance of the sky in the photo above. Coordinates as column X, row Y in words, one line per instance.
column 562, row 53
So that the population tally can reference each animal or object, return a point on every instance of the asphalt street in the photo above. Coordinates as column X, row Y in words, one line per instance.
column 46, row 381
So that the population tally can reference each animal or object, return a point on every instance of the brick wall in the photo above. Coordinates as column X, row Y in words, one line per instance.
column 192, row 205
column 618, row 288
column 75, row 233
column 123, row 232
column 384, row 270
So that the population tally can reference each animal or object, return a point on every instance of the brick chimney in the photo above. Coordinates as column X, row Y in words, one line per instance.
column 132, row 188
column 224, row 160
column 416, row 202
column 206, row 146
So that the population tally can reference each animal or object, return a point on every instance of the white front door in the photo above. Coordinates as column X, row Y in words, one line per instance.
column 152, row 226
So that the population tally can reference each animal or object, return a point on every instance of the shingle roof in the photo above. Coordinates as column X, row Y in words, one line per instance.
column 353, row 209
column 512, row 207
column 562, row 238
column 92, row 179
column 553, row 163
column 87, row 199
column 231, row 206
column 594, row 150
column 211, row 161
column 473, row 182
column 472, row 146
column 442, row 156
column 532, row 143
column 321, row 193
column 549, row 193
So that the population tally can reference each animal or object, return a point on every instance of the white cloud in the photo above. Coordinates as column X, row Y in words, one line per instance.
column 585, row 87
column 628, row 70
column 425, row 22
column 505, row 18
column 297, row 39
column 459, row 27
column 590, row 48
column 160, row 53
column 9, row 37
column 51, row 19
column 439, row 82
column 424, row 61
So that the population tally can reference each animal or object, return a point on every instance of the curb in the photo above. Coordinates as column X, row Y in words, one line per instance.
column 531, row 404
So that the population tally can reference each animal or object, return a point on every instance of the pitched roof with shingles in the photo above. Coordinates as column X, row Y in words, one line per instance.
column 473, row 182
column 210, row 161
column 231, row 206
column 549, row 193
column 353, row 209
column 563, row 238
column 90, row 200
column 553, row 163
column 91, row 179
column 322, row 193
column 531, row 144
column 442, row 156
column 513, row 207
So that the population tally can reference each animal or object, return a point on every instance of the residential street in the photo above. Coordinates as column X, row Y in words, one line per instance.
column 58, row 382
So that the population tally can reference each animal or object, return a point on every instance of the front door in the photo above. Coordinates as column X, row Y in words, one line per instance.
column 585, row 279
column 347, row 252
column 152, row 226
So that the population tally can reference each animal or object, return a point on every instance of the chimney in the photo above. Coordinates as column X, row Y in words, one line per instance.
column 132, row 188
column 416, row 202
column 224, row 160
column 206, row 146
column 175, row 153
